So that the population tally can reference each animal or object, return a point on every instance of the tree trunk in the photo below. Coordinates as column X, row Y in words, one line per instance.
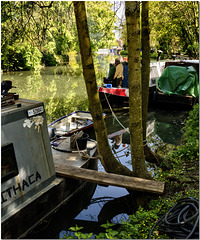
column 135, row 89
column 150, row 156
column 145, row 64
column 105, row 153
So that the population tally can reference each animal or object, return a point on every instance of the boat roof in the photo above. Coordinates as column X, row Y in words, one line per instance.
column 191, row 61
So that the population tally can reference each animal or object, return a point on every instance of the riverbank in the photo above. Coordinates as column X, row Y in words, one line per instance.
column 180, row 172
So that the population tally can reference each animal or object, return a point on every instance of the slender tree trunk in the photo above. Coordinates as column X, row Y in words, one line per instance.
column 135, row 89
column 107, row 158
column 150, row 156
column 145, row 64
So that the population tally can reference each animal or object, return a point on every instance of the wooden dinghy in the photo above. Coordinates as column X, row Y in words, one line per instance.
column 71, row 123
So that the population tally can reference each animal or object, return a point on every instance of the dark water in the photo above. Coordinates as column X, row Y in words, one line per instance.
column 62, row 90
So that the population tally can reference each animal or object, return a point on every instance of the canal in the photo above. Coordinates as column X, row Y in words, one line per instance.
column 62, row 89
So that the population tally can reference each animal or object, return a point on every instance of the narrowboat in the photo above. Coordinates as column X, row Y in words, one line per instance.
column 30, row 188
column 117, row 98
column 178, row 86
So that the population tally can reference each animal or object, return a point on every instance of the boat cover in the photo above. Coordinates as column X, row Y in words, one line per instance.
column 179, row 80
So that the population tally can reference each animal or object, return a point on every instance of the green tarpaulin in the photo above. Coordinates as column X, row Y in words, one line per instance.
column 179, row 80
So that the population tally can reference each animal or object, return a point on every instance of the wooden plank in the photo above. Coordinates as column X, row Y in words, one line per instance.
column 133, row 183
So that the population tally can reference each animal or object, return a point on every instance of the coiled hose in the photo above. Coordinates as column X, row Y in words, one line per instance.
column 181, row 221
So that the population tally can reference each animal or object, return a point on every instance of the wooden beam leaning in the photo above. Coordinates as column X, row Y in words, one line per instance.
column 133, row 183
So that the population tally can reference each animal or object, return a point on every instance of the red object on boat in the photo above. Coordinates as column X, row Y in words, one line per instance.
column 123, row 92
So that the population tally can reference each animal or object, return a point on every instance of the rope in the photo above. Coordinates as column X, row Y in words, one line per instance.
column 73, row 139
column 82, row 153
column 113, row 114
column 181, row 221
column 115, row 117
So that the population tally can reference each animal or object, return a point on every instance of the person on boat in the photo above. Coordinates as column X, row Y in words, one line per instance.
column 118, row 77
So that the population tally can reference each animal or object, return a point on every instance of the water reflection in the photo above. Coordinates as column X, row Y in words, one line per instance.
column 61, row 88
column 114, row 203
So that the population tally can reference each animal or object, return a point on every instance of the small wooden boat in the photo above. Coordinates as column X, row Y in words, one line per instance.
column 71, row 123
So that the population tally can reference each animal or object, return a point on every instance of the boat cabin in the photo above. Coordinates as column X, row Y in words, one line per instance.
column 27, row 168
column 31, row 189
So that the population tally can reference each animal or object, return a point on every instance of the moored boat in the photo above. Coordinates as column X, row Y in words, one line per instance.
column 31, row 190
column 71, row 123
column 119, row 97
column 179, row 84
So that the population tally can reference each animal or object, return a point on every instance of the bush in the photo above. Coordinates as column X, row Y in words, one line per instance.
column 49, row 59
column 20, row 57
column 123, row 52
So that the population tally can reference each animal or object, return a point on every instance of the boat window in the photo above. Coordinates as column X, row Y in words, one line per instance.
column 9, row 167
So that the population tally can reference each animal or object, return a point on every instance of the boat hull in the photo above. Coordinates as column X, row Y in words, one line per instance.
column 64, row 192
column 71, row 123
column 177, row 100
column 63, row 218
column 115, row 100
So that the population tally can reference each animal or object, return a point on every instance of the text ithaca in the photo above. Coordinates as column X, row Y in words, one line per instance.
column 20, row 187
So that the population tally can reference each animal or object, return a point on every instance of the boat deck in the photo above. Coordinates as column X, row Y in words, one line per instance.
column 73, row 158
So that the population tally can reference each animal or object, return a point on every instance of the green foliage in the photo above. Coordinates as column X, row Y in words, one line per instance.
column 141, row 222
column 49, row 59
column 181, row 168
column 154, row 55
column 101, row 23
column 78, row 234
column 191, row 129
column 174, row 26
column 124, row 52
column 49, row 27
column 190, row 148
column 21, row 57
column 32, row 56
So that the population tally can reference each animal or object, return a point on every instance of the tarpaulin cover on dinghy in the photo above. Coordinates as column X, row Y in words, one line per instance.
column 179, row 80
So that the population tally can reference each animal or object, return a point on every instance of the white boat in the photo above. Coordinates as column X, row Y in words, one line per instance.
column 71, row 123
